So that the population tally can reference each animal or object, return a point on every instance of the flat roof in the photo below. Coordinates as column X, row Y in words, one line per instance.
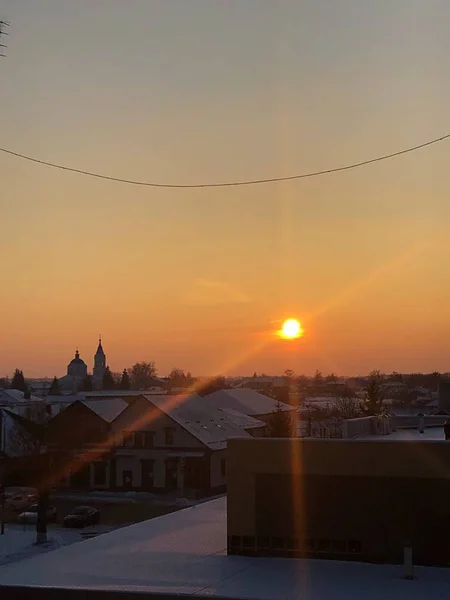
column 185, row 553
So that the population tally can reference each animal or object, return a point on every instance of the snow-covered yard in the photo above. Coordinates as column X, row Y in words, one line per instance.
column 18, row 542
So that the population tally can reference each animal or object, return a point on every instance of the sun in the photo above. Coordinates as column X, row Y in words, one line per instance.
column 291, row 329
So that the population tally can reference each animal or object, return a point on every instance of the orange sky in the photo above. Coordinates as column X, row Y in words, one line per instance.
column 199, row 279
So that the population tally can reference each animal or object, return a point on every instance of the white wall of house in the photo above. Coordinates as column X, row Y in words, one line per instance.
column 128, row 463
column 155, row 421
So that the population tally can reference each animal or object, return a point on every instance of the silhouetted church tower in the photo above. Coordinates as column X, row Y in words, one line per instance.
column 99, row 364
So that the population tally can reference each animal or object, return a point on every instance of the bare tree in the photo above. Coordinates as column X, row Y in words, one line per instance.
column 346, row 407
column 18, row 440
column 142, row 375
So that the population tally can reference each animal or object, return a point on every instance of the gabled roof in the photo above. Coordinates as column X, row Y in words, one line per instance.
column 108, row 410
column 209, row 425
column 245, row 401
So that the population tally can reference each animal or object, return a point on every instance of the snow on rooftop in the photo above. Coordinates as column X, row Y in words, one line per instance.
column 107, row 409
column 184, row 553
column 211, row 426
column 246, row 401
column 12, row 396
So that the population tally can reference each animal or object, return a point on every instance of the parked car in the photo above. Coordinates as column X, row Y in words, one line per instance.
column 81, row 516
column 31, row 514
column 18, row 502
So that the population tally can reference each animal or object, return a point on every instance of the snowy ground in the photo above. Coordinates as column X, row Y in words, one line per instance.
column 18, row 542
column 124, row 498
column 185, row 552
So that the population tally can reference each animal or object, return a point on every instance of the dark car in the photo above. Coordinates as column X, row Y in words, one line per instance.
column 82, row 516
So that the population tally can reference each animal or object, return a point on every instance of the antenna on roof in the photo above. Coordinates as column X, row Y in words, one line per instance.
column 3, row 25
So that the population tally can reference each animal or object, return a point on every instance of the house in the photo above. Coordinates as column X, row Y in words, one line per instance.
column 79, row 436
column 249, row 402
column 148, row 442
column 166, row 442
column 263, row 383
column 14, row 441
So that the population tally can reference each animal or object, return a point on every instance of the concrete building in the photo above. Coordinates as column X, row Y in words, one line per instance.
column 444, row 394
column 362, row 500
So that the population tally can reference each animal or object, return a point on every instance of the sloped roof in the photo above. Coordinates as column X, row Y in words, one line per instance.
column 211, row 426
column 239, row 419
column 245, row 401
column 108, row 410
column 9, row 395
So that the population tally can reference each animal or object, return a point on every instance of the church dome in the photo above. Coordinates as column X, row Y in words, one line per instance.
column 77, row 360
column 77, row 367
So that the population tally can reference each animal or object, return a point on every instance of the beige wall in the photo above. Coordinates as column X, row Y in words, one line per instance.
column 217, row 480
column 381, row 458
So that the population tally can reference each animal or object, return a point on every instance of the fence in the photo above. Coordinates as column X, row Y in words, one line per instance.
column 361, row 427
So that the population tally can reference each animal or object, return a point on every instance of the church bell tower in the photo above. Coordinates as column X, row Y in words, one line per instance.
column 99, row 363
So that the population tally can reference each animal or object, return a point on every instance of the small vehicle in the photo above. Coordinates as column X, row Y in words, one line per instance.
column 31, row 514
column 82, row 516
column 19, row 502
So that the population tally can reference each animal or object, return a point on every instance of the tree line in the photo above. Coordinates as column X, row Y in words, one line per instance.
column 142, row 375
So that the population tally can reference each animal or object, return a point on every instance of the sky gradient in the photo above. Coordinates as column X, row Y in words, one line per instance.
column 194, row 91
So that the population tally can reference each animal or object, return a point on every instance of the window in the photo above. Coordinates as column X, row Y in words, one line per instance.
column 99, row 473
column 223, row 467
column 170, row 434
column 144, row 439
column 128, row 439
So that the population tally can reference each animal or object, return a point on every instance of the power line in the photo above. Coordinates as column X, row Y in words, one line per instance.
column 3, row 24
column 227, row 183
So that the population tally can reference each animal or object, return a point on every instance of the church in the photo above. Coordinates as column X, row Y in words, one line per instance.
column 77, row 371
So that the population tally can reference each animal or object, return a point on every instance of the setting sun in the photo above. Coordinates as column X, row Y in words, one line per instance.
column 291, row 329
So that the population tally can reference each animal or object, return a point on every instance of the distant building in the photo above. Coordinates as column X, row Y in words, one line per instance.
column 99, row 365
column 77, row 371
column 263, row 383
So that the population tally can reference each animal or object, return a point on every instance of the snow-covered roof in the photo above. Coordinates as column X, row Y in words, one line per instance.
column 240, row 420
column 11, row 396
column 187, row 557
column 65, row 398
column 108, row 409
column 210, row 425
column 275, row 381
column 246, row 401
column 123, row 393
